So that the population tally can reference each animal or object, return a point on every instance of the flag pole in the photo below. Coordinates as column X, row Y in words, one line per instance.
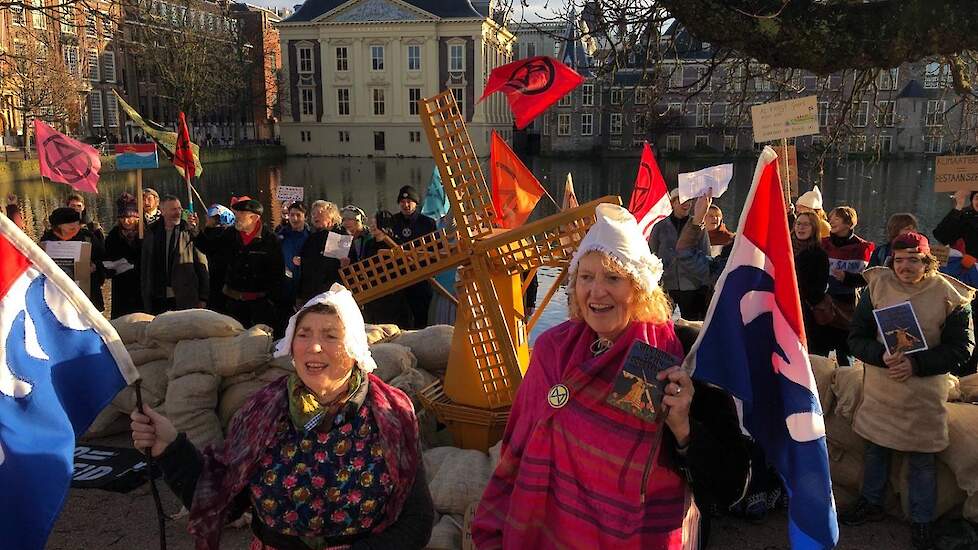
column 787, row 172
column 139, row 200
column 150, row 467
column 190, row 197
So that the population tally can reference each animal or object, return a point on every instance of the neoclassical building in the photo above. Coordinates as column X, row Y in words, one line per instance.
column 355, row 70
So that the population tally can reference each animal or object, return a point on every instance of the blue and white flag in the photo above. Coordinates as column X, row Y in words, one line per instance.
column 61, row 363
column 435, row 204
column 753, row 346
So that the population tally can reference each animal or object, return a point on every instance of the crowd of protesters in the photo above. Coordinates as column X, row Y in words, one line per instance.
column 231, row 260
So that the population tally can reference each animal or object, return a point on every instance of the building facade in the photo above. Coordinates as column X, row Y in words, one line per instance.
column 356, row 69
column 258, row 25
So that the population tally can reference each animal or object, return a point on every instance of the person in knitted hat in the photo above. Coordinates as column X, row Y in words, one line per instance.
column 407, row 225
column 903, row 406
column 326, row 457
column 613, row 437
column 123, row 248
column 66, row 225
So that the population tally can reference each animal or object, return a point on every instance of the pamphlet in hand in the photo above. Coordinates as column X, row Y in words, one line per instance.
column 337, row 246
column 696, row 184
column 119, row 266
column 636, row 389
column 900, row 329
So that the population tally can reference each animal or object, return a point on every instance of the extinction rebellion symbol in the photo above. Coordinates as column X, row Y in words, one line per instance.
column 72, row 163
column 533, row 77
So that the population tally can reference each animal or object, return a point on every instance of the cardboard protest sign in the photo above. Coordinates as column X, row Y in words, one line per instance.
column 956, row 172
column 695, row 184
column 900, row 329
column 941, row 252
column 289, row 194
column 785, row 119
column 75, row 258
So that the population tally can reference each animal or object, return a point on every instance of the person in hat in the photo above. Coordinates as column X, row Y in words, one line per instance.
column 688, row 288
column 355, row 224
column 905, row 391
column 409, row 224
column 123, row 248
column 811, row 201
column 326, row 457
column 66, row 225
column 252, row 255
column 174, row 271
column 151, row 206
column 616, row 472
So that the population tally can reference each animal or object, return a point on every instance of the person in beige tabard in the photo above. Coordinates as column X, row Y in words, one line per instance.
column 904, row 395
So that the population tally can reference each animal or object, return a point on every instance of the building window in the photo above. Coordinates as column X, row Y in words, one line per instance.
column 702, row 142
column 91, row 31
column 17, row 15
column 343, row 101
column 377, row 58
column 107, row 26
column 563, row 125
column 379, row 104
column 305, row 59
column 614, row 124
column 587, row 124
column 108, row 66
column 414, row 136
column 936, row 75
column 641, row 96
column 414, row 57
column 456, row 57
column 39, row 19
column 729, row 143
column 675, row 109
column 823, row 114
column 93, row 72
column 459, row 94
column 702, row 115
column 673, row 142
column 95, row 109
column 342, row 59
column 676, row 79
column 616, row 96
column 861, row 117
column 307, row 102
column 111, row 111
column 414, row 96
column 935, row 113
column 884, row 145
column 71, row 59
column 379, row 144
column 531, row 50
column 587, row 95
column 934, row 143
column 857, row 144
column 888, row 79
column 565, row 100
column 305, row 136
column 886, row 114
column 546, row 124
column 344, row 136
column 68, row 19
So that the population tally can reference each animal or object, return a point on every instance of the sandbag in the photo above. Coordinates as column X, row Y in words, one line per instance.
column 153, row 384
column 392, row 360
column 430, row 345
column 132, row 327
column 380, row 333
column 189, row 357
column 460, row 480
column 434, row 458
column 189, row 324
column 969, row 388
column 447, row 534
column 234, row 397
column 191, row 404
column 495, row 455
column 961, row 456
column 824, row 370
column 109, row 422
column 223, row 356
column 141, row 354
column 847, row 387
column 411, row 381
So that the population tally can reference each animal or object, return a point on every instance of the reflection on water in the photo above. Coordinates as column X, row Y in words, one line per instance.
column 875, row 190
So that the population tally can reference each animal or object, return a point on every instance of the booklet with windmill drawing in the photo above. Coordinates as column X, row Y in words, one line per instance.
column 636, row 390
column 900, row 329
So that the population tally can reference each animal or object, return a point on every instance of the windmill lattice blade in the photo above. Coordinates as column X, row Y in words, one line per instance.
column 459, row 166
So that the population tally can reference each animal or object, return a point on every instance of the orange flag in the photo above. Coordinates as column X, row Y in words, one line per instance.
column 514, row 189
column 570, row 197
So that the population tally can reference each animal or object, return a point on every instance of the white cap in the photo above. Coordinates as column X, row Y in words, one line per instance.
column 616, row 233
column 812, row 199
column 674, row 194
column 356, row 336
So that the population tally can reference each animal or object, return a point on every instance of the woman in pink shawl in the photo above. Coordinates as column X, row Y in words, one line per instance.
column 590, row 457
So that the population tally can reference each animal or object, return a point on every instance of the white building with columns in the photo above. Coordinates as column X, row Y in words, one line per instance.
column 355, row 69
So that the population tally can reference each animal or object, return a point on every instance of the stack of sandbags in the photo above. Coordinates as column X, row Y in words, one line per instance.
column 191, row 404
column 447, row 533
column 392, row 360
column 457, row 478
column 430, row 345
column 237, row 389
column 377, row 334
column 969, row 388
column 132, row 327
column 191, row 324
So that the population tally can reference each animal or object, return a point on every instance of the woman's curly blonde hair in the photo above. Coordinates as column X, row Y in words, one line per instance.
column 648, row 306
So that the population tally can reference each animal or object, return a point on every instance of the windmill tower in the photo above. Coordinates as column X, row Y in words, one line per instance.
column 490, row 350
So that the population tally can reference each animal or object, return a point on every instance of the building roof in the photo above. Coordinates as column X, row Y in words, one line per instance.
column 573, row 54
column 451, row 9
column 913, row 90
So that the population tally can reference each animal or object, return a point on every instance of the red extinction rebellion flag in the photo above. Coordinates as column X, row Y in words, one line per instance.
column 531, row 85
column 183, row 156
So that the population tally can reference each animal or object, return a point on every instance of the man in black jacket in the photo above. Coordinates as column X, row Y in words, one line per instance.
column 173, row 272
column 66, row 226
column 410, row 224
column 252, row 284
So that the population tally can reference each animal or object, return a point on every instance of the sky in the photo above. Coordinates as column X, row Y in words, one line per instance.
column 536, row 10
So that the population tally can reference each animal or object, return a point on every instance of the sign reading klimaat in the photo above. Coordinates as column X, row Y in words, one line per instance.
column 785, row 119
column 956, row 172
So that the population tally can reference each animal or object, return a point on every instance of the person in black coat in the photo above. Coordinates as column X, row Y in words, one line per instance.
column 393, row 308
column 812, row 271
column 66, row 226
column 319, row 272
column 407, row 225
column 253, row 282
column 123, row 246
column 173, row 270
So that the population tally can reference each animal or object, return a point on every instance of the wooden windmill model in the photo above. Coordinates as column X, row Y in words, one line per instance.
column 490, row 349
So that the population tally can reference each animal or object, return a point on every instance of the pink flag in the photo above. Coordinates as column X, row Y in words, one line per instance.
column 650, row 198
column 66, row 160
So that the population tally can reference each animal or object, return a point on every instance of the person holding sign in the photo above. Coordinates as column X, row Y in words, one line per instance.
column 848, row 256
column 292, row 235
column 904, row 394
column 688, row 288
column 621, row 437
column 123, row 248
column 66, row 226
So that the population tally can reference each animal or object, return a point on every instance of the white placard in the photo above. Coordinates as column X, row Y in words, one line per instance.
column 119, row 266
column 695, row 184
column 64, row 249
column 785, row 119
column 289, row 194
column 337, row 246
